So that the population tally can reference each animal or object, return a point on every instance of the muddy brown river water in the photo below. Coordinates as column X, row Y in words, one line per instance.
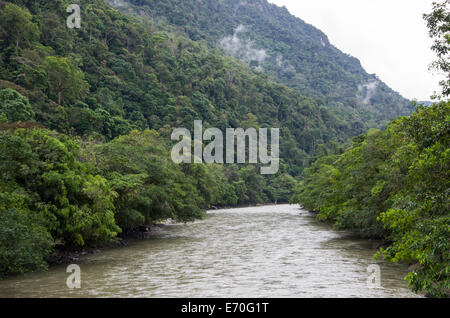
column 269, row 251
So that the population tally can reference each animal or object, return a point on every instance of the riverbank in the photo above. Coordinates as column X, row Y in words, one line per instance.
column 68, row 255
column 376, row 244
column 269, row 251
column 243, row 206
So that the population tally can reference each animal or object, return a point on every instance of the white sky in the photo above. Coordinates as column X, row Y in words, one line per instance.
column 389, row 37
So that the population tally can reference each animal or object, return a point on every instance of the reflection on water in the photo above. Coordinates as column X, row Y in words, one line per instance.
column 270, row 251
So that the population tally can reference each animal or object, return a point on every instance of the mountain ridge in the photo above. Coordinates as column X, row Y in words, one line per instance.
column 134, row 73
column 293, row 52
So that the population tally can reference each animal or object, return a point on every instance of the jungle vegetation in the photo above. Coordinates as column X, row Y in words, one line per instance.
column 394, row 183
column 86, row 116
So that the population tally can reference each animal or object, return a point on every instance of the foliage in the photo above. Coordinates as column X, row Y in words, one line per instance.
column 24, row 241
column 420, row 217
column 64, row 80
column 271, row 40
column 17, row 23
column 14, row 106
column 393, row 184
column 77, row 205
column 150, row 186
column 438, row 22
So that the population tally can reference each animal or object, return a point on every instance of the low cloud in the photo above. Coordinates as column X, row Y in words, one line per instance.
column 118, row 3
column 241, row 48
column 367, row 91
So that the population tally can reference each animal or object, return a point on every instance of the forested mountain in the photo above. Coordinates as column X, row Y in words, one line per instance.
column 85, row 120
column 86, row 115
column 120, row 73
column 271, row 40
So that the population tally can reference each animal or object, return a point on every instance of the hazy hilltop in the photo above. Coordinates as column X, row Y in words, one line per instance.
column 295, row 53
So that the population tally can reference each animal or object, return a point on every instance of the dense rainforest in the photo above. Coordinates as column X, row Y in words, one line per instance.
column 86, row 116
column 394, row 183
column 292, row 52
column 119, row 73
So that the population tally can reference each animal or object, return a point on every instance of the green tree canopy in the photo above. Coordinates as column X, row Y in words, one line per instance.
column 15, row 106
column 438, row 23
column 66, row 83
column 18, row 24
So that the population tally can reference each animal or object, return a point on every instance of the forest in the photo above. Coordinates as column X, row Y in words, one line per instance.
column 393, row 184
column 289, row 50
column 86, row 117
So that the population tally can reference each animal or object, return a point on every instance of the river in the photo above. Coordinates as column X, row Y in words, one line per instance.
column 269, row 251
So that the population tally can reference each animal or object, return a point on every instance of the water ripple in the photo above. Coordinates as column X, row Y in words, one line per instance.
column 269, row 251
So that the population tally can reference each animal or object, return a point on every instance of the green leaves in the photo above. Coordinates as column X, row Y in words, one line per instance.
column 17, row 22
column 14, row 106
column 394, row 185
column 77, row 206
column 24, row 240
column 148, row 183
column 65, row 82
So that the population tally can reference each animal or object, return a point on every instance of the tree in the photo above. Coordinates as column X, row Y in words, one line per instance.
column 65, row 81
column 76, row 204
column 18, row 24
column 393, row 184
column 283, row 186
column 438, row 23
column 150, row 186
column 24, row 241
column 15, row 106
column 420, row 220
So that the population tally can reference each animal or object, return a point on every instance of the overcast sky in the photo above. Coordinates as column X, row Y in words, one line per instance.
column 389, row 37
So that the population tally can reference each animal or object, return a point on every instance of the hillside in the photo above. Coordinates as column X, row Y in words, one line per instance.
column 85, row 120
column 86, row 116
column 130, row 74
column 294, row 53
